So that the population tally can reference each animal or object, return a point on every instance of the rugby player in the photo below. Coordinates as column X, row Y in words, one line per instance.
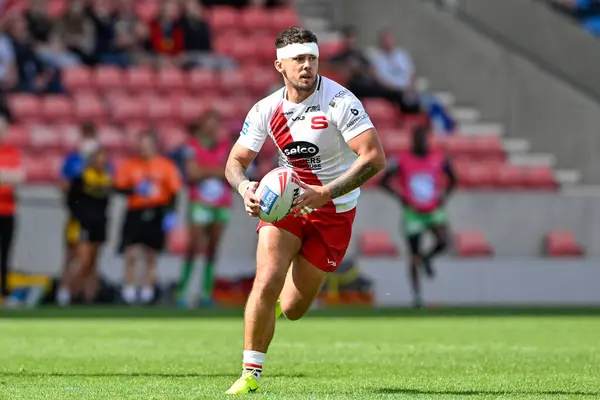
column 210, row 200
column 323, row 132
column 420, row 175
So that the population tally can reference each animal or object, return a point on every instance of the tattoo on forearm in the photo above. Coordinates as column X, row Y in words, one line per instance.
column 235, row 174
column 355, row 177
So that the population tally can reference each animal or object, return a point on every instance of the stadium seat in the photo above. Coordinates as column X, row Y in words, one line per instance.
column 41, row 169
column 472, row 244
column 329, row 49
column 57, row 109
column 255, row 19
column 540, row 177
column 412, row 121
column 108, row 78
column 126, row 110
column 89, row 108
column 377, row 242
column 200, row 81
column 562, row 243
column 395, row 143
column 139, row 79
column 282, row 19
column 25, row 108
column 158, row 109
column 171, row 136
column 188, row 109
column 382, row 112
column 475, row 175
column 17, row 136
column 170, row 79
column 76, row 79
column 223, row 18
column 487, row 148
column 112, row 138
column 508, row 177
column 458, row 146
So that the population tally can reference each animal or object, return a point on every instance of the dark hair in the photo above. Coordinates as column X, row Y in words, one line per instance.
column 88, row 129
column 294, row 35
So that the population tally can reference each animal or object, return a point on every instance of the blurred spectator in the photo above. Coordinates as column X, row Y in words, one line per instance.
column 196, row 32
column 362, row 79
column 76, row 30
column 39, row 23
column 104, row 28
column 55, row 54
column 130, row 35
column 11, row 174
column 395, row 70
column 8, row 67
column 34, row 75
column 166, row 33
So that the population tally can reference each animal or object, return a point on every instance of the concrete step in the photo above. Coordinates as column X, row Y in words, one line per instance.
column 446, row 98
column 532, row 159
column 465, row 114
column 481, row 129
column 516, row 145
column 568, row 176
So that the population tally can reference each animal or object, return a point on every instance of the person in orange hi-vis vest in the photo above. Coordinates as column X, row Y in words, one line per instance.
column 11, row 174
column 151, row 183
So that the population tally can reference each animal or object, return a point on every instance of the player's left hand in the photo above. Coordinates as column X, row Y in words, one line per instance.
column 312, row 198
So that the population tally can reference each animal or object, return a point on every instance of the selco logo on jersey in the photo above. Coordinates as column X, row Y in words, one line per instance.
column 300, row 149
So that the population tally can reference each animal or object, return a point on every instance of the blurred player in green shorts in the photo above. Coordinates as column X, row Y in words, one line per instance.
column 210, row 200
column 423, row 191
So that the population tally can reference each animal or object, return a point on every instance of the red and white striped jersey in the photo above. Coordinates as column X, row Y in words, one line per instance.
column 311, row 136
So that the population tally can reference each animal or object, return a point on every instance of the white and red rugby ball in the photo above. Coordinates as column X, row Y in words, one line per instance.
column 276, row 192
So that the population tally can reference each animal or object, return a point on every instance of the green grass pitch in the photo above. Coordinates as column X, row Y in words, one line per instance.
column 167, row 354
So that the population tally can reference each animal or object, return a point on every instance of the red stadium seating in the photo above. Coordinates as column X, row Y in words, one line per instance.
column 508, row 177
column 17, row 136
column 77, row 78
column 224, row 18
column 126, row 110
column 158, row 109
column 282, row 19
column 108, row 78
column 57, row 109
column 539, row 178
column 25, row 108
column 169, row 80
column 562, row 243
column 472, row 244
column 89, row 108
column 375, row 243
column 139, row 79
column 255, row 19
column 200, row 81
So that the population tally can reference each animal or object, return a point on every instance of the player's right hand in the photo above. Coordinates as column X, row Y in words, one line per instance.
column 251, row 200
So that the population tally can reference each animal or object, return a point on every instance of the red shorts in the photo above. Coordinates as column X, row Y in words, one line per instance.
column 325, row 236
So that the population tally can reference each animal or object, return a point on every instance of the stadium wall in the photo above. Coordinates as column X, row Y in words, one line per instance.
column 513, row 223
column 507, row 87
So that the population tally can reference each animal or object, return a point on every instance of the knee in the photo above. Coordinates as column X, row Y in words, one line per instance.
column 268, row 287
column 293, row 312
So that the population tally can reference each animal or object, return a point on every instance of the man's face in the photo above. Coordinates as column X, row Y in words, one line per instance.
column 387, row 41
column 147, row 147
column 301, row 71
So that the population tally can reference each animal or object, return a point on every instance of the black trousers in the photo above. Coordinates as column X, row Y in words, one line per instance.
column 7, row 228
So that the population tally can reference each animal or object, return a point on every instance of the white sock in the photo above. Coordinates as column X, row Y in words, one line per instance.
column 253, row 362
column 129, row 294
column 147, row 294
column 63, row 297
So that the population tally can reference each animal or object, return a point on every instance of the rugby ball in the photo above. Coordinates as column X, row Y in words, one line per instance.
column 276, row 192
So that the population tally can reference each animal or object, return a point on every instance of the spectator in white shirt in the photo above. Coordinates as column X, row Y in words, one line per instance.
column 394, row 67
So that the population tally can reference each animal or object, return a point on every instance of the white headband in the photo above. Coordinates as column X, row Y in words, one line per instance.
column 297, row 49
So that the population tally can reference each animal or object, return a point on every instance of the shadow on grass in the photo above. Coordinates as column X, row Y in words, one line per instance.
column 414, row 392
column 120, row 312
column 26, row 374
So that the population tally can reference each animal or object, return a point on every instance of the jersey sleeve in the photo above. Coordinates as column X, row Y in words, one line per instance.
column 350, row 117
column 254, row 132
column 72, row 167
